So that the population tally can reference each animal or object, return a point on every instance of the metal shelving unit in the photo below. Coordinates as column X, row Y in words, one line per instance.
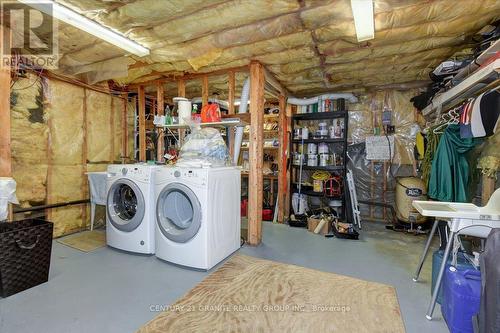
column 336, row 169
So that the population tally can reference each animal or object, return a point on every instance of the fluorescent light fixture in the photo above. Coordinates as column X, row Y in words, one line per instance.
column 362, row 10
column 81, row 22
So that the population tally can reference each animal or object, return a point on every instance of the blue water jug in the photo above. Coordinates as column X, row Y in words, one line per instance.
column 461, row 295
column 437, row 258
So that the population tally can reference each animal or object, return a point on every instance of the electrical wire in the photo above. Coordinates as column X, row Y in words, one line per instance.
column 37, row 79
column 321, row 175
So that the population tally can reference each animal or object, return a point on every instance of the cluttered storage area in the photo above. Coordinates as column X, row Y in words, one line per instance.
column 250, row 166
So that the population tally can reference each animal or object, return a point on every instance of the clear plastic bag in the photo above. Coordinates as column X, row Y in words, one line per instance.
column 204, row 147
column 7, row 194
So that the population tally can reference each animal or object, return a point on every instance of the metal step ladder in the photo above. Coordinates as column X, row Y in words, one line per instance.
column 354, row 199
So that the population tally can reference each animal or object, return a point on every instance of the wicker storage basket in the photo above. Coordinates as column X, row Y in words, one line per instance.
column 25, row 248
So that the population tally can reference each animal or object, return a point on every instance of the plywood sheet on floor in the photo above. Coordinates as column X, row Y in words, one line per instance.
column 253, row 295
column 86, row 241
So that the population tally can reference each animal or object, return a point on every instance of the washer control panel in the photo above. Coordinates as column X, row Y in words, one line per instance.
column 130, row 171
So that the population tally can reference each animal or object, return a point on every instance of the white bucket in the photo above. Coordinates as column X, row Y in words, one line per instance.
column 323, row 129
column 323, row 148
column 184, row 110
column 312, row 148
column 324, row 159
column 312, row 160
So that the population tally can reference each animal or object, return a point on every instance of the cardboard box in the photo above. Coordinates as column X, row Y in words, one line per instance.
column 312, row 223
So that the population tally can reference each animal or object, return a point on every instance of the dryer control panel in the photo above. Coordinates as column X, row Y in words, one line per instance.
column 196, row 175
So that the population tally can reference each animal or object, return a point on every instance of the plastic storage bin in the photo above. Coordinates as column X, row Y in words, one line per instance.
column 461, row 299
column 437, row 259
column 25, row 248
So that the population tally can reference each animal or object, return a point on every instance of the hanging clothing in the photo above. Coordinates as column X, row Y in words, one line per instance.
column 465, row 120
column 430, row 149
column 420, row 145
column 485, row 114
column 450, row 172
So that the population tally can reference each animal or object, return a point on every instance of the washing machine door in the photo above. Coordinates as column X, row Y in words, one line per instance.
column 125, row 205
column 178, row 213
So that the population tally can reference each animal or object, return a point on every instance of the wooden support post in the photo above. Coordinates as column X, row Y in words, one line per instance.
column 204, row 90
column 286, row 143
column 5, row 148
column 384, row 189
column 160, row 106
column 230, row 101
column 181, row 88
column 372, row 185
column 255, row 191
column 85, row 184
column 181, row 92
column 282, row 159
column 488, row 189
column 124, row 124
column 112, row 129
column 142, row 124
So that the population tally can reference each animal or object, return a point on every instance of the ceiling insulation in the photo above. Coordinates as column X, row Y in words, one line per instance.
column 310, row 45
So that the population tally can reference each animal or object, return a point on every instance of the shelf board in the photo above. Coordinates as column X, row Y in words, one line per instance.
column 317, row 194
column 265, row 132
column 325, row 168
column 340, row 140
column 265, row 148
column 465, row 89
column 224, row 123
column 319, row 115
column 246, row 116
column 273, row 177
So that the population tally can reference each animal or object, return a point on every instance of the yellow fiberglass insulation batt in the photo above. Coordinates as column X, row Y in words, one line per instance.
column 50, row 124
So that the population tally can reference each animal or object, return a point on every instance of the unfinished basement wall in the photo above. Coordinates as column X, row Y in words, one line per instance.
column 60, row 131
column 373, row 179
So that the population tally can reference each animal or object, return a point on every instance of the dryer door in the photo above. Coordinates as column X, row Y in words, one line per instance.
column 125, row 205
column 178, row 213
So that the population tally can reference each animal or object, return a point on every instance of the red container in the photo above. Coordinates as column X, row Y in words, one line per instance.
column 267, row 214
column 244, row 207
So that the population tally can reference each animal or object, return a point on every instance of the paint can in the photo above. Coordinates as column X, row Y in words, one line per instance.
column 334, row 159
column 324, row 160
column 317, row 185
column 312, row 148
column 323, row 129
column 331, row 132
column 305, row 133
column 312, row 160
column 323, row 148
column 298, row 159
column 297, row 133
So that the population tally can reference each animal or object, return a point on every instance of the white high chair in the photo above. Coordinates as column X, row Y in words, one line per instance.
column 463, row 219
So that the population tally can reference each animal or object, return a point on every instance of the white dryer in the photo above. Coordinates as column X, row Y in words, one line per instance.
column 130, row 208
column 197, row 215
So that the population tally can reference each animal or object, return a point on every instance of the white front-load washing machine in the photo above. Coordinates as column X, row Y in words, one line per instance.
column 130, row 208
column 197, row 215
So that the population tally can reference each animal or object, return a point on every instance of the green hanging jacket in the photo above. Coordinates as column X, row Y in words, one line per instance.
column 450, row 172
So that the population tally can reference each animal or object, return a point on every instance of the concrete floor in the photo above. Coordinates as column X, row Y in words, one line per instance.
column 111, row 291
